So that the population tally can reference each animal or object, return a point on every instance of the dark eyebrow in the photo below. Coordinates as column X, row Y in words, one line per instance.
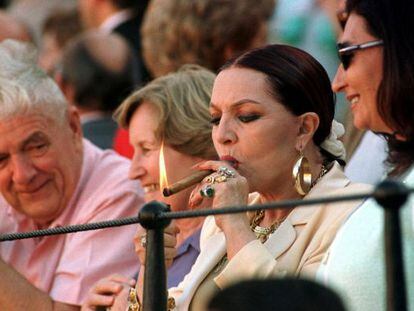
column 34, row 138
column 239, row 103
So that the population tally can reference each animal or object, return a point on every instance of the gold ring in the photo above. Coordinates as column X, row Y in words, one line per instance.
column 220, row 178
column 216, row 179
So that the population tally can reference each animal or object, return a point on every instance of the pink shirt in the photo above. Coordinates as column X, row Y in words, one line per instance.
column 65, row 266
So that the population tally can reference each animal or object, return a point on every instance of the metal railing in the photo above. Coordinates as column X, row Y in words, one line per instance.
column 155, row 216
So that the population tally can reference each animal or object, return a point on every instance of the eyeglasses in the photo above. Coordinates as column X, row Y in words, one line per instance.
column 346, row 53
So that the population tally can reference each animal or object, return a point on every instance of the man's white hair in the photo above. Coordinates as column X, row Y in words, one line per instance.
column 24, row 87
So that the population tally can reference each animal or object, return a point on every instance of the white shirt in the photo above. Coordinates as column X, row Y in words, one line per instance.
column 367, row 163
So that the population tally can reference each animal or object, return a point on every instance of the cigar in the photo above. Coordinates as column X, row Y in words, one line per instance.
column 186, row 182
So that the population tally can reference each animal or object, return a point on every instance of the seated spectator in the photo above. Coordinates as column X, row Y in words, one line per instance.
column 377, row 76
column 123, row 17
column 174, row 110
column 202, row 32
column 59, row 27
column 97, row 72
column 50, row 177
column 278, row 294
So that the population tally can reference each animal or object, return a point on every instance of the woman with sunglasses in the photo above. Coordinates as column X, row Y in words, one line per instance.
column 377, row 76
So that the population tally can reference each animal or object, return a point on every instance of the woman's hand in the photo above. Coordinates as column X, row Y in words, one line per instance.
column 170, row 251
column 109, row 292
column 230, row 189
column 170, row 244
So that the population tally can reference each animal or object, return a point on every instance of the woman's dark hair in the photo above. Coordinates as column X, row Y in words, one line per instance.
column 297, row 81
column 390, row 21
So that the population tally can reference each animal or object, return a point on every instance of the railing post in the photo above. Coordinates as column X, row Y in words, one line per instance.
column 396, row 289
column 155, row 277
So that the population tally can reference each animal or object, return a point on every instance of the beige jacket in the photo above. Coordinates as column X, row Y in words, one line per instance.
column 296, row 248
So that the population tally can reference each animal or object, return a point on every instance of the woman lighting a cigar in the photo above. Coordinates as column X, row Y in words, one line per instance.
column 173, row 108
column 272, row 112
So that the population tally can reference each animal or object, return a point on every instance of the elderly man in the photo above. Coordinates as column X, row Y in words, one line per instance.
column 50, row 177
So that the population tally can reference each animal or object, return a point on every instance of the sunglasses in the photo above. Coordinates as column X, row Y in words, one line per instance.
column 346, row 52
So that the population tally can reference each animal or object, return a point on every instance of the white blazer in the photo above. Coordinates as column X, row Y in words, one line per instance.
column 296, row 248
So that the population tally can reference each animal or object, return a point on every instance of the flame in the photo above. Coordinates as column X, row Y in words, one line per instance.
column 163, row 171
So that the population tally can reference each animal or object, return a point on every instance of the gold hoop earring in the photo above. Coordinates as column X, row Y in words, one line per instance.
column 302, row 176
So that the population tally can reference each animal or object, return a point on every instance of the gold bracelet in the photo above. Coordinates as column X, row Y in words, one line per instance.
column 133, row 301
column 135, row 305
column 170, row 303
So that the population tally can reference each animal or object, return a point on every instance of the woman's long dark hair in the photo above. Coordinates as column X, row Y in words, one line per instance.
column 391, row 21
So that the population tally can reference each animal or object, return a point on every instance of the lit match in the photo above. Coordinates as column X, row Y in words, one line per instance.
column 186, row 182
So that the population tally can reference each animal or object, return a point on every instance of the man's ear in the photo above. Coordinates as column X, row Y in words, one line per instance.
column 74, row 121
column 308, row 124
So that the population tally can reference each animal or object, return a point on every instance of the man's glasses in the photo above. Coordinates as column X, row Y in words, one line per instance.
column 346, row 52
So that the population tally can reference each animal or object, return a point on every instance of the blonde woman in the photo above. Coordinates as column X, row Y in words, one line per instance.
column 172, row 109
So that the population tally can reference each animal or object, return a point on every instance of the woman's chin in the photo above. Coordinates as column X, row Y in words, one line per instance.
column 152, row 196
column 360, row 123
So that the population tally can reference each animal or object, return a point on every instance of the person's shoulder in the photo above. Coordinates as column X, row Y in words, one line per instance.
column 355, row 187
column 333, row 215
column 335, row 182
column 350, row 188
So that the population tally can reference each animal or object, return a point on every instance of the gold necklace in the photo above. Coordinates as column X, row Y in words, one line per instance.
column 263, row 233
column 322, row 173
